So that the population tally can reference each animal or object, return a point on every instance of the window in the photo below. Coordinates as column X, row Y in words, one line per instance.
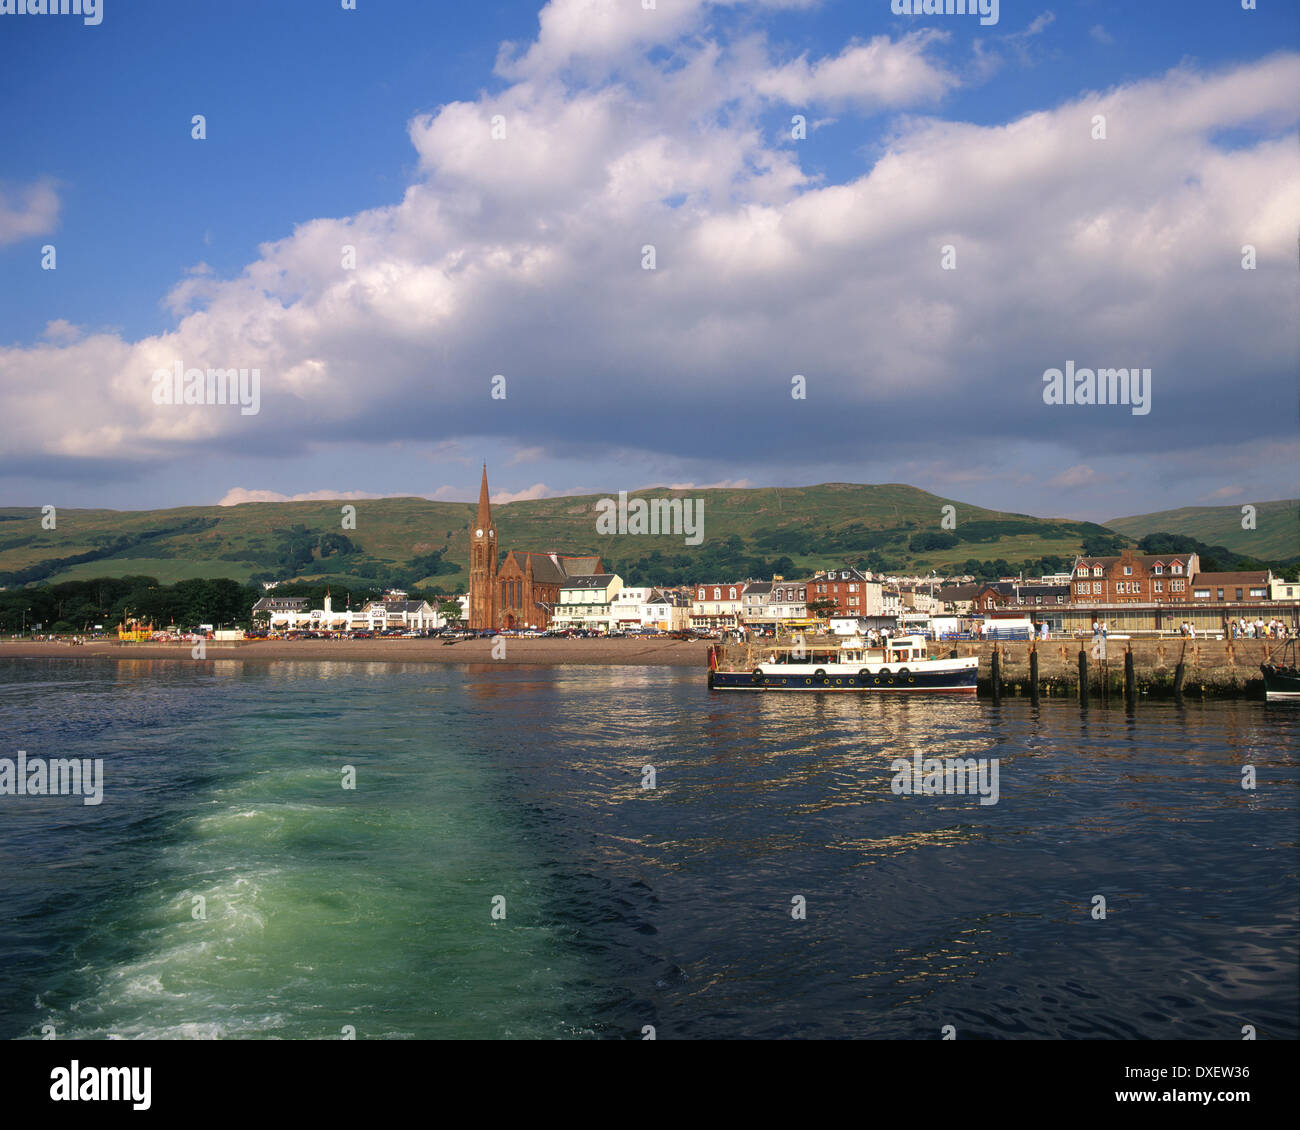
column 1177, row 586
column 1158, row 570
column 1096, row 587
column 1096, row 570
column 733, row 594
column 1201, row 594
column 1220, row 594
column 1177, row 567
column 1258, row 592
column 717, row 593
column 1128, row 570
column 1159, row 586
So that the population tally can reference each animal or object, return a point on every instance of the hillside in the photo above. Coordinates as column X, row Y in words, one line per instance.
column 1276, row 536
column 419, row 542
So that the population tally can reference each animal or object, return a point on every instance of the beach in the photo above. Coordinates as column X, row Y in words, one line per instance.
column 631, row 651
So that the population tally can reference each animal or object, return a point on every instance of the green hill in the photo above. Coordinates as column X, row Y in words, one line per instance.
column 417, row 542
column 1276, row 536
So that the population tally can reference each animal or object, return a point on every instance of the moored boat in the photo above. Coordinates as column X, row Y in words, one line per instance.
column 899, row 665
column 1281, row 679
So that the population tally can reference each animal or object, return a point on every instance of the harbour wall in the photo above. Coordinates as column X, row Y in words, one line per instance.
column 1211, row 668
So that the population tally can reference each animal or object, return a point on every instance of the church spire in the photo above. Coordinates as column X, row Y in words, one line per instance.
column 484, row 507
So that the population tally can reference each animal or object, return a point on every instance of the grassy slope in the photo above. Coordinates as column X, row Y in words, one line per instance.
column 1276, row 535
column 396, row 529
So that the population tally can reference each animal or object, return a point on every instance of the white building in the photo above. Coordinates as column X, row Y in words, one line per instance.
column 669, row 612
column 788, row 602
column 627, row 608
column 717, row 606
column 587, row 602
column 1279, row 589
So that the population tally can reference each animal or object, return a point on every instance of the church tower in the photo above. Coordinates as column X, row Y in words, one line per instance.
column 483, row 563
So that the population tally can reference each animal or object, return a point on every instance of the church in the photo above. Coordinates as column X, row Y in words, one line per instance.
column 522, row 590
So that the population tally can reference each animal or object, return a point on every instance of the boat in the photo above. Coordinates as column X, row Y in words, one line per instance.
column 1282, row 680
column 900, row 665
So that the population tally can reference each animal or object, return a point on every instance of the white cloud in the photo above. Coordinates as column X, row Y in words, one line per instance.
column 883, row 72
column 523, row 257
column 27, row 210
column 537, row 490
column 237, row 496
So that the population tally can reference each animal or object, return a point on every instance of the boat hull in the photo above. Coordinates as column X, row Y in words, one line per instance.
column 932, row 682
column 1280, row 683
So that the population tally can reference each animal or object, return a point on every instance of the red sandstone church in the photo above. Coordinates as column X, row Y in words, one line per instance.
column 523, row 590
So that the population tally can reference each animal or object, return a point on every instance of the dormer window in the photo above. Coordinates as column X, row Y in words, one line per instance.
column 1177, row 567
column 717, row 593
column 1096, row 570
column 1128, row 570
column 1158, row 570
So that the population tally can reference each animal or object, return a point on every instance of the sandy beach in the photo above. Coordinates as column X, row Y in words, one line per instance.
column 539, row 652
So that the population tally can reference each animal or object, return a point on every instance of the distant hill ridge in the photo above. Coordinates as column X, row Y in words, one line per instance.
column 419, row 542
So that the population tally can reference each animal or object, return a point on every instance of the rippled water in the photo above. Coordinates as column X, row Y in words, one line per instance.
column 628, row 906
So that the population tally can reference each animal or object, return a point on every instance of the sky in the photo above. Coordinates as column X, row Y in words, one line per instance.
column 593, row 243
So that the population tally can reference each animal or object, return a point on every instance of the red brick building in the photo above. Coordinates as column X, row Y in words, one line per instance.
column 1235, row 587
column 1133, row 578
column 522, row 590
column 528, row 586
column 851, row 591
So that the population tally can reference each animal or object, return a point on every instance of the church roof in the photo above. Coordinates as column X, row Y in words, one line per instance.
column 484, row 519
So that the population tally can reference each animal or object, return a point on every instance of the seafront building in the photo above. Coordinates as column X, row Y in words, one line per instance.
column 394, row 611
column 523, row 590
column 587, row 602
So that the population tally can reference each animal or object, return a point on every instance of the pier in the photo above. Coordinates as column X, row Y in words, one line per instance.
column 1126, row 671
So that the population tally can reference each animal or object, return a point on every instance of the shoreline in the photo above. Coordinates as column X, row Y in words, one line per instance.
column 1212, row 668
column 630, row 652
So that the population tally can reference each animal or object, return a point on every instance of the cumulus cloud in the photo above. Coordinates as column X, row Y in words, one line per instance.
column 523, row 256
column 237, row 496
column 537, row 490
column 27, row 210
column 882, row 72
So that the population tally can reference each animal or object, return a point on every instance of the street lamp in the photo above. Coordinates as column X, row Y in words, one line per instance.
column 25, row 611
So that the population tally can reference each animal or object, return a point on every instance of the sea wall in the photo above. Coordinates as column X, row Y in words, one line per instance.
column 1211, row 668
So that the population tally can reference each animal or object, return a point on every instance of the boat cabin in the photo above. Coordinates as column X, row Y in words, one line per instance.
column 901, row 649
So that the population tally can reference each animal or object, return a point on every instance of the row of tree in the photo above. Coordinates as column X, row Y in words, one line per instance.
column 77, row 606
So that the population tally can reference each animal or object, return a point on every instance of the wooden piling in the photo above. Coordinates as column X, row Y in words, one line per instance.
column 1130, row 679
column 1033, row 675
column 997, row 675
column 1083, row 676
column 1180, row 673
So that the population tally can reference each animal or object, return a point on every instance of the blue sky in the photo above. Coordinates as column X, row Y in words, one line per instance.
column 322, row 121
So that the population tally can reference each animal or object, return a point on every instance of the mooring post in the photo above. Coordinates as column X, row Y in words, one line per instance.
column 1179, row 672
column 997, row 676
column 1033, row 675
column 1130, row 680
column 1083, row 676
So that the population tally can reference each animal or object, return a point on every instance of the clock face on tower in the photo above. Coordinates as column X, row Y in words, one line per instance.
column 478, row 533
